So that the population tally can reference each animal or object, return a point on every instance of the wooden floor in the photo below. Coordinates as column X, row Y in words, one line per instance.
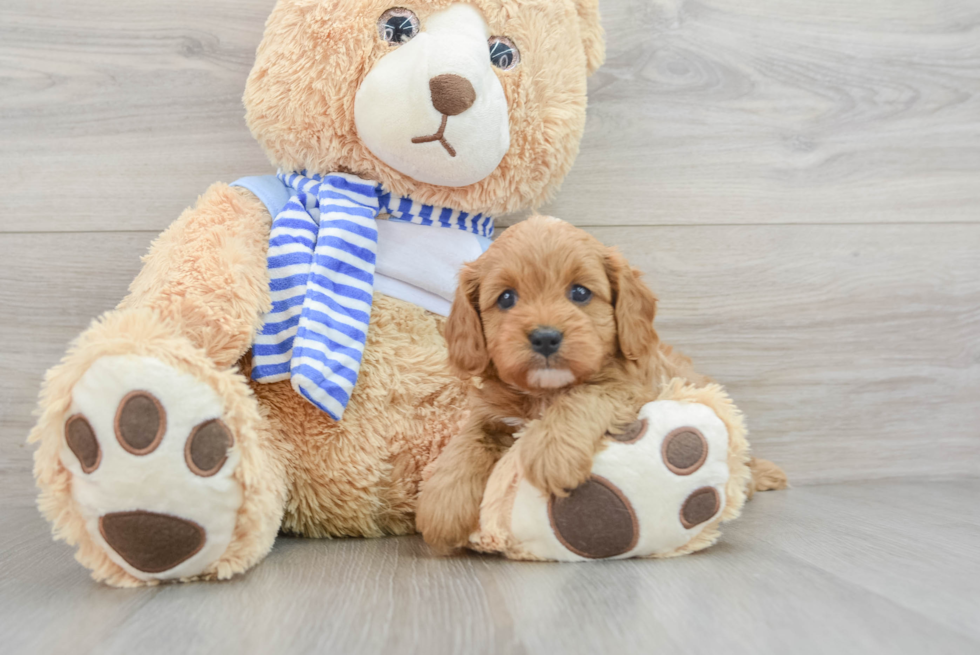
column 799, row 180
column 889, row 567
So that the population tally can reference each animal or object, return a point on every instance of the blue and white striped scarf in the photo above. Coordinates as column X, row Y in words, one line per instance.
column 322, row 254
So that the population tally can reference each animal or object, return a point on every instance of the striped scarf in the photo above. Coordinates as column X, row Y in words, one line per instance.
column 322, row 254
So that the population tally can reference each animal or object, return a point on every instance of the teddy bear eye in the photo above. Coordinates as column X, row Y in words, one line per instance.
column 503, row 53
column 507, row 299
column 579, row 294
column 398, row 25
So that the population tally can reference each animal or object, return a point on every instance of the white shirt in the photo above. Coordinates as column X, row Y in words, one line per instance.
column 420, row 263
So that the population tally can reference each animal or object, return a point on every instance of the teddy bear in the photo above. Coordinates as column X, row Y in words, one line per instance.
column 279, row 363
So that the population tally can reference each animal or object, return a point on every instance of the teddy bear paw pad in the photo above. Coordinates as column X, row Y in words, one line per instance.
column 654, row 487
column 153, row 466
column 595, row 520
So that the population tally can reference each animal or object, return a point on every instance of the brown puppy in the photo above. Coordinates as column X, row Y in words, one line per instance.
column 559, row 330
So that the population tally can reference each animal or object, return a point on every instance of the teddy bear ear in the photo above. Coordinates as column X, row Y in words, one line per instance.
column 593, row 36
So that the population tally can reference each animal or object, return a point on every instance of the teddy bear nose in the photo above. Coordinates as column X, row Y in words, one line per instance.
column 451, row 94
column 545, row 341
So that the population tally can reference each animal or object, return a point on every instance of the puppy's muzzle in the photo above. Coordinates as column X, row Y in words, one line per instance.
column 545, row 341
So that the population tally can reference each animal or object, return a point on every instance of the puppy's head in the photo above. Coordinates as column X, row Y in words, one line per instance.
column 546, row 307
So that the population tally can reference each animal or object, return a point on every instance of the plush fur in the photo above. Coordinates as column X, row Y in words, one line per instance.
column 496, row 536
column 300, row 102
column 204, row 286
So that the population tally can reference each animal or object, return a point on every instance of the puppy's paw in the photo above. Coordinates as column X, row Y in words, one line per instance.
column 447, row 514
column 555, row 467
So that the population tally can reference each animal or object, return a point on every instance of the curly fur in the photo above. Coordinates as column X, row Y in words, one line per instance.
column 607, row 353
column 615, row 361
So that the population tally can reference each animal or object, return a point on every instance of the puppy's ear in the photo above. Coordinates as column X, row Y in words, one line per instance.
column 635, row 306
column 464, row 329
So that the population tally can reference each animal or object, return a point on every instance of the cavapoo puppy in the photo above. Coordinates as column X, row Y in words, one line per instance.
column 558, row 330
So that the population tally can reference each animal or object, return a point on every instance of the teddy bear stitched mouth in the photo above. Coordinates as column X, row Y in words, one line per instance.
column 439, row 136
column 451, row 96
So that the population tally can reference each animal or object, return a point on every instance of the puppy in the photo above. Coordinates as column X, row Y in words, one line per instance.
column 558, row 330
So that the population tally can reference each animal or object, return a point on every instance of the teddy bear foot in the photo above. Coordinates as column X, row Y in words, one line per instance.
column 153, row 467
column 653, row 490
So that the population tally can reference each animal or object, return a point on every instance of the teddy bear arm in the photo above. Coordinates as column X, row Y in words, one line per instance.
column 146, row 392
column 207, row 274
column 660, row 488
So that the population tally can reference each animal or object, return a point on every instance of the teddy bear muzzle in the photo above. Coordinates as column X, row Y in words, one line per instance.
column 433, row 108
column 451, row 96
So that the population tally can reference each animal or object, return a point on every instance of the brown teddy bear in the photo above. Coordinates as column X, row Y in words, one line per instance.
column 237, row 390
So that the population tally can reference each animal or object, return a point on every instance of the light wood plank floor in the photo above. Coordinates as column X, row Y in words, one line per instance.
column 799, row 180
column 888, row 567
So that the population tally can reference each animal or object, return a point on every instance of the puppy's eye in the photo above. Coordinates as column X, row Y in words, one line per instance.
column 579, row 294
column 503, row 53
column 398, row 25
column 507, row 299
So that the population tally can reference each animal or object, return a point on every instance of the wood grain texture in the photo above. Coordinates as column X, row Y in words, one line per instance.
column 799, row 181
column 782, row 111
column 121, row 112
column 46, row 302
column 853, row 350
column 838, row 569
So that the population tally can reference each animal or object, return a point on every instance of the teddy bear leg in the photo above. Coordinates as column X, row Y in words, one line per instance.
column 659, row 489
column 154, row 457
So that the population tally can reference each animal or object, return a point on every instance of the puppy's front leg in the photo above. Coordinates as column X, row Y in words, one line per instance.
column 449, row 505
column 556, row 451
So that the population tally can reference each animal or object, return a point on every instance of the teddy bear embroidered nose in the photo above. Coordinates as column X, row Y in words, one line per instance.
column 451, row 94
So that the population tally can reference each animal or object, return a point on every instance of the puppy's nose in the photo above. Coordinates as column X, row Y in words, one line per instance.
column 545, row 341
column 451, row 94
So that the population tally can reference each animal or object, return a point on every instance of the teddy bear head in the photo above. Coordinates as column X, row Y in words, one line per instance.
column 478, row 106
